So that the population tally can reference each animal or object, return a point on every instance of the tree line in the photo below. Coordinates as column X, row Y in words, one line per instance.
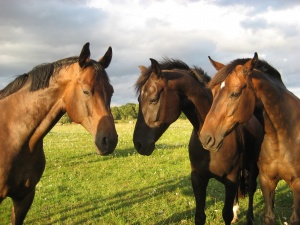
column 128, row 111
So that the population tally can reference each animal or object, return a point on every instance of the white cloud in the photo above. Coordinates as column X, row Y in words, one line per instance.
column 137, row 30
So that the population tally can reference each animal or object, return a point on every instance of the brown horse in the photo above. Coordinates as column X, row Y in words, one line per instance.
column 33, row 103
column 171, row 87
column 242, row 88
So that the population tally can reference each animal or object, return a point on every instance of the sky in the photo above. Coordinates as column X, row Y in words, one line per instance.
column 33, row 32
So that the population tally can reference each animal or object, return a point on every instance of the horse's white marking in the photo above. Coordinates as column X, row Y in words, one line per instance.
column 235, row 213
column 222, row 84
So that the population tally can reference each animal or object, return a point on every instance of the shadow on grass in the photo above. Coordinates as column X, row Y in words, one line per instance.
column 127, row 199
column 124, row 152
column 99, row 207
column 282, row 209
column 118, row 201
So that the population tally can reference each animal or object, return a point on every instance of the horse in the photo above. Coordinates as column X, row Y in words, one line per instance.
column 33, row 103
column 242, row 88
column 170, row 87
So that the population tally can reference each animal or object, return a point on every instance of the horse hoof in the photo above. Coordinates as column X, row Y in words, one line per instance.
column 234, row 220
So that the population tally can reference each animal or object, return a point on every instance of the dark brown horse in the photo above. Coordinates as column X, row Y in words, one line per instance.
column 171, row 87
column 242, row 88
column 33, row 103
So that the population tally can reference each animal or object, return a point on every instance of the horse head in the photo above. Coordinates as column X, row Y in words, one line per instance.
column 158, row 107
column 87, row 98
column 233, row 102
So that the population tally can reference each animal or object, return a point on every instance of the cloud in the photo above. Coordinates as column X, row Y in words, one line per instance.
column 47, row 31
column 36, row 32
column 260, row 5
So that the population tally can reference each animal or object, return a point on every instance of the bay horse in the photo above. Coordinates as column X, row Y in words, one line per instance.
column 242, row 88
column 165, row 90
column 33, row 103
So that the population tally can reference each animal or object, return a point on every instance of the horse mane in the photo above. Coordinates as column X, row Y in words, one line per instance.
column 169, row 64
column 41, row 74
column 261, row 65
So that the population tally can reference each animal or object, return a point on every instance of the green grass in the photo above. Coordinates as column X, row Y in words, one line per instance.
column 81, row 187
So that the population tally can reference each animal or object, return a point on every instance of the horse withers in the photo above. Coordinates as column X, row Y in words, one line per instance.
column 33, row 103
column 251, row 86
column 165, row 90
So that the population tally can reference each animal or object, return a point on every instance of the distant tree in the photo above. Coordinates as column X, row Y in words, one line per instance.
column 137, row 108
column 125, row 112
column 115, row 111
column 182, row 116
column 65, row 119
column 128, row 111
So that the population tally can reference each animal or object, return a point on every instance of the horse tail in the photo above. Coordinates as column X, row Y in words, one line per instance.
column 244, row 183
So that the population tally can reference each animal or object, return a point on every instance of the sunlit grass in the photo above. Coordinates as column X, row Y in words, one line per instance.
column 81, row 187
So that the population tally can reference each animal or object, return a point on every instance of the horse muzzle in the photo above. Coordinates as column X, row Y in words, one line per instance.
column 210, row 143
column 106, row 144
column 144, row 148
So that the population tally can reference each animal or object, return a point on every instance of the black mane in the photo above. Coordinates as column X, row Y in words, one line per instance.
column 170, row 64
column 40, row 75
column 261, row 65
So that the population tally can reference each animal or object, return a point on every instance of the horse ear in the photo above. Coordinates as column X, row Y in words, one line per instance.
column 143, row 69
column 255, row 59
column 216, row 64
column 106, row 59
column 84, row 55
column 250, row 65
column 155, row 67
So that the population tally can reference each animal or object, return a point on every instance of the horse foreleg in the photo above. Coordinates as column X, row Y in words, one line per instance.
column 235, row 210
column 252, row 185
column 295, row 218
column 21, row 207
column 199, row 185
column 230, row 193
column 268, row 191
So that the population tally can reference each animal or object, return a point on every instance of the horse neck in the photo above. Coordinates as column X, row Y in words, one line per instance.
column 276, row 103
column 196, row 100
column 32, row 114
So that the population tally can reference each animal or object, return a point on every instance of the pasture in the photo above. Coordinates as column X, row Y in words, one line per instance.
column 81, row 187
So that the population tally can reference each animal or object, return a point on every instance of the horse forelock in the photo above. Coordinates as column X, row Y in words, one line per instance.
column 171, row 64
column 261, row 66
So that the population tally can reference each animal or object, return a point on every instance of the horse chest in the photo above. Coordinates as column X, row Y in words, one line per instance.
column 24, row 173
column 278, row 161
column 223, row 164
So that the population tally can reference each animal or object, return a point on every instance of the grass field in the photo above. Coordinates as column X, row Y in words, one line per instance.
column 81, row 187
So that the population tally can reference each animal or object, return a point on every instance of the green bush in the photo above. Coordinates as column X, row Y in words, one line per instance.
column 65, row 119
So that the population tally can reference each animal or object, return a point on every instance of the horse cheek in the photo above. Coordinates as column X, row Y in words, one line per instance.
column 172, row 109
column 74, row 108
column 151, row 114
column 247, row 107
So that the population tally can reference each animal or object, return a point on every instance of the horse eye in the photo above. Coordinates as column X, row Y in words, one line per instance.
column 86, row 92
column 153, row 100
column 235, row 94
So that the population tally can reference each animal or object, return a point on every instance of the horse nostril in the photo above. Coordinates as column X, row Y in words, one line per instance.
column 137, row 145
column 208, row 139
column 104, row 142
